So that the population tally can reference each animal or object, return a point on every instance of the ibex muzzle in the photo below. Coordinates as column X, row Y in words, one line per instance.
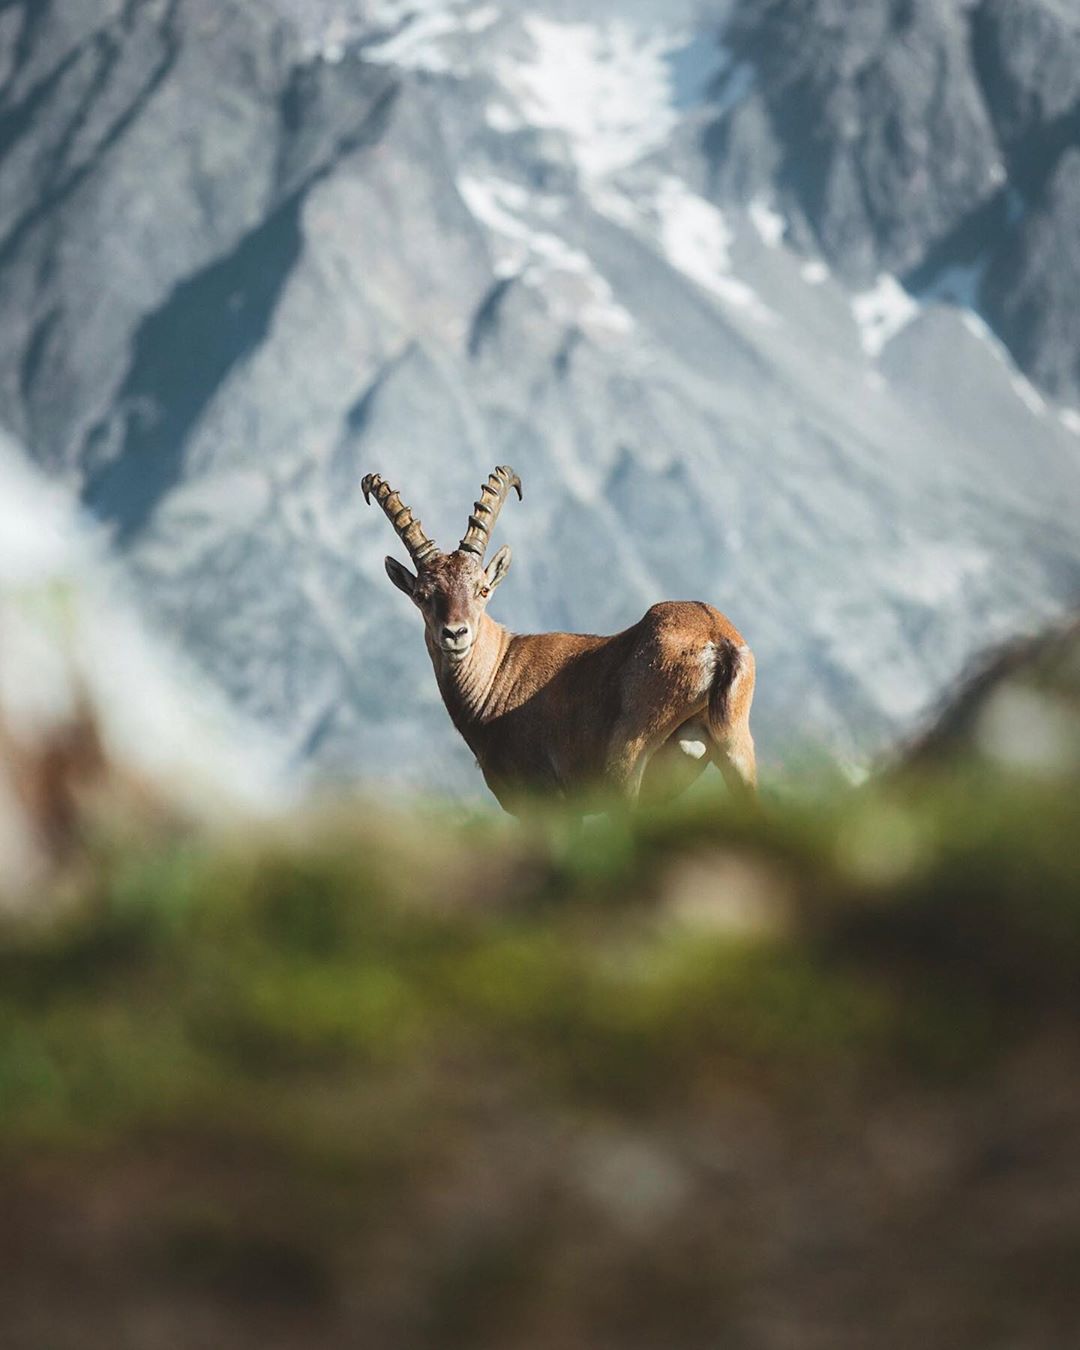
column 640, row 712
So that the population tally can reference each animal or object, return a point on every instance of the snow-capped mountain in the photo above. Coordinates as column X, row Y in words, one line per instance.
column 766, row 303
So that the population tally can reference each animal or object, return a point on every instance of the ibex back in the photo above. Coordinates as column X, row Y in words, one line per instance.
column 639, row 714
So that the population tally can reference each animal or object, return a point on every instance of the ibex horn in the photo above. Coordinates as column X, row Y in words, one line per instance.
column 486, row 510
column 420, row 547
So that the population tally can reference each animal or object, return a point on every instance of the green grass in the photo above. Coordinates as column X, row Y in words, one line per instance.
column 369, row 1080
column 915, row 929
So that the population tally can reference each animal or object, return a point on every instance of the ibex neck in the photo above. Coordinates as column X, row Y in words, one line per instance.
column 467, row 685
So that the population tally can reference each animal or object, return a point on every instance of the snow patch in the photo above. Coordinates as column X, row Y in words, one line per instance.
column 696, row 233
column 35, row 525
column 607, row 87
column 619, row 207
column 492, row 202
column 936, row 574
column 421, row 29
column 541, row 258
column 1022, row 387
column 617, row 88
column 882, row 312
column 697, row 239
column 768, row 222
column 815, row 272
column 978, row 327
column 1028, row 395
column 500, row 118
column 1070, row 420
column 415, row 45
column 481, row 19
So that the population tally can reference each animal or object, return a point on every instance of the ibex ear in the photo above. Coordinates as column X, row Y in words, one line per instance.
column 400, row 575
column 498, row 567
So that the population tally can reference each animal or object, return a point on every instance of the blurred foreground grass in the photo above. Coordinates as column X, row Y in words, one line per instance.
column 806, row 1077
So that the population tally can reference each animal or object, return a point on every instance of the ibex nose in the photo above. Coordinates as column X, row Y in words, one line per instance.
column 452, row 634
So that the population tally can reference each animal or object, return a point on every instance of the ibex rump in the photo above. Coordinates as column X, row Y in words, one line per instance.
column 637, row 714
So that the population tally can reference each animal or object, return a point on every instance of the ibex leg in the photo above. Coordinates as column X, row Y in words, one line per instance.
column 625, row 769
column 729, row 722
column 734, row 757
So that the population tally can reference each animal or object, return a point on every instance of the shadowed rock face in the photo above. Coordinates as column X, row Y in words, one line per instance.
column 1031, row 286
column 156, row 157
column 912, row 137
column 883, row 140
column 250, row 252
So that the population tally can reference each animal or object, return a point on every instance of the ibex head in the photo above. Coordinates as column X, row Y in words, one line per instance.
column 451, row 590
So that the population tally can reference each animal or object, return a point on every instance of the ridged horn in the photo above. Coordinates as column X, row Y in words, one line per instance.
column 486, row 510
column 421, row 549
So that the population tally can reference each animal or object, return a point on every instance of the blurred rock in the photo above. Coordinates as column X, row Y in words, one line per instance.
column 100, row 729
column 1020, row 707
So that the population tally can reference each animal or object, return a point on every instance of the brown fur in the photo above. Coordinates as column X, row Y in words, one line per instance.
column 567, row 713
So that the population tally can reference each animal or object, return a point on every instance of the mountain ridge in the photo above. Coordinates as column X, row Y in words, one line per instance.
column 455, row 258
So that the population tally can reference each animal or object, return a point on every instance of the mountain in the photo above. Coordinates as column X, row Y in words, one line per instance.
column 768, row 304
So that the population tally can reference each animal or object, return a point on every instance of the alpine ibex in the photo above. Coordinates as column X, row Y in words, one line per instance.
column 637, row 714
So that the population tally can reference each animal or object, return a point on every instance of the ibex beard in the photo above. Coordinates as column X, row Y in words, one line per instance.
column 637, row 716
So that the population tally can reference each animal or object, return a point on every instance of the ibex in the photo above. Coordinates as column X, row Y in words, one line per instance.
column 638, row 714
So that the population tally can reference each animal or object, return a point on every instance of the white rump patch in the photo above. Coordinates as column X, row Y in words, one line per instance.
column 695, row 749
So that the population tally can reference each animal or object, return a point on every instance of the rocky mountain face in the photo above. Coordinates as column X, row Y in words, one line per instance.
column 768, row 303
column 937, row 142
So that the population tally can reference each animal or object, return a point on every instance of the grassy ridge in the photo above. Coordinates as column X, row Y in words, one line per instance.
column 419, row 1084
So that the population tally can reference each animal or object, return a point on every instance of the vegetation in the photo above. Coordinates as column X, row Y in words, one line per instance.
column 806, row 1075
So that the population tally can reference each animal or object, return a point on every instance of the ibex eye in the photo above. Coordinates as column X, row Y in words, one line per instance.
column 485, row 591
